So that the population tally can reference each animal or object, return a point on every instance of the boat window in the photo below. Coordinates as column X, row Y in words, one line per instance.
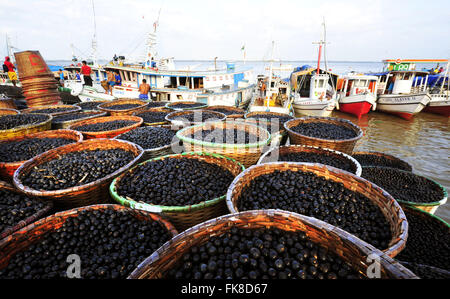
column 361, row 83
column 183, row 81
column 173, row 82
column 198, row 83
column 320, row 83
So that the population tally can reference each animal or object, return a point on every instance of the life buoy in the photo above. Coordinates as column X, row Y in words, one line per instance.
column 398, row 61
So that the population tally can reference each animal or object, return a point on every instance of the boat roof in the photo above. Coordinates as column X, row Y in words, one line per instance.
column 415, row 61
column 176, row 73
column 310, row 70
column 412, row 71
column 361, row 76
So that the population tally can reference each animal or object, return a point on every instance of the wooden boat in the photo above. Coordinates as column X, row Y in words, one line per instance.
column 357, row 94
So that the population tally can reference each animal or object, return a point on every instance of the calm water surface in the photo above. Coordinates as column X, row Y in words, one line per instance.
column 423, row 142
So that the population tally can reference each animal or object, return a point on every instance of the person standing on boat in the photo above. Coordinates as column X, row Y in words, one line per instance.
column 86, row 72
column 111, row 81
column 77, row 76
column 11, row 73
column 144, row 89
column 61, row 77
column 118, row 79
column 263, row 89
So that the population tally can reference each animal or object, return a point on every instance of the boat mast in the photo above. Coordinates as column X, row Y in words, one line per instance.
column 321, row 43
column 9, row 49
column 269, row 87
column 94, row 40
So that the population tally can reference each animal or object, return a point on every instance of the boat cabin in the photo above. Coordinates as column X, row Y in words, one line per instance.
column 316, row 86
column 357, row 84
column 403, row 82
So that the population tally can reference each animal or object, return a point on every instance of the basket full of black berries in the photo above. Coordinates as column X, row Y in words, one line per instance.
column 311, row 154
column 156, row 141
column 107, row 242
column 187, row 188
column 106, row 126
column 267, row 244
column 21, row 124
column 77, row 174
column 64, row 121
column 18, row 210
column 15, row 151
column 326, row 132
column 185, row 105
column 53, row 109
column 154, row 116
column 428, row 242
column 382, row 160
column 230, row 111
column 335, row 196
column 91, row 105
column 122, row 107
column 408, row 188
column 240, row 141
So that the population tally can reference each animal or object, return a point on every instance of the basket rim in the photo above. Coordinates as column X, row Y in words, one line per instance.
column 360, row 132
column 9, row 109
column 227, row 220
column 144, row 104
column 28, row 126
column 185, row 102
column 181, row 122
column 358, row 170
column 107, row 118
column 223, row 145
column 394, row 243
column 37, row 135
column 47, row 193
column 248, row 116
column 159, row 208
column 411, row 203
column 389, row 156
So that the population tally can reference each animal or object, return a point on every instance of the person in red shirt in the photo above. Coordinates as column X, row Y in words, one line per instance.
column 11, row 73
column 86, row 72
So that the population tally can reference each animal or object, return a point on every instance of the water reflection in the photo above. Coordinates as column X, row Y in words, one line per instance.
column 423, row 142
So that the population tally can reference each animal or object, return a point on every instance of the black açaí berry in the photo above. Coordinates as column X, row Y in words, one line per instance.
column 15, row 208
column 175, row 182
column 149, row 137
column 376, row 160
column 311, row 195
column 105, row 126
column 324, row 131
column 26, row 149
column 322, row 158
column 261, row 254
column 110, row 244
column 76, row 169
column 8, row 122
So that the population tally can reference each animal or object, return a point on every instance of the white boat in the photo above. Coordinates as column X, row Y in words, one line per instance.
column 277, row 97
column 357, row 94
column 440, row 95
column 404, row 96
column 314, row 89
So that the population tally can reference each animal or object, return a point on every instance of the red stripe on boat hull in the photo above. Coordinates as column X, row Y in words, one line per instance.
column 358, row 109
column 442, row 110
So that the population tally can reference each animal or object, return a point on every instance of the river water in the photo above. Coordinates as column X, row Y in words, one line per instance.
column 423, row 142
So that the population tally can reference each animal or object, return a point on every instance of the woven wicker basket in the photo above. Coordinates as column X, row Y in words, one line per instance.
column 177, row 118
column 33, row 233
column 403, row 164
column 96, row 101
column 7, row 169
column 7, row 103
column 230, row 111
column 171, row 104
column 184, row 217
column 107, row 134
column 344, row 146
column 277, row 138
column 159, row 151
column 246, row 154
column 349, row 248
column 92, row 193
column 39, row 214
column 388, row 206
column 27, row 129
column 7, row 111
column 87, row 115
column 430, row 207
column 72, row 108
column 156, row 109
column 273, row 155
column 105, row 107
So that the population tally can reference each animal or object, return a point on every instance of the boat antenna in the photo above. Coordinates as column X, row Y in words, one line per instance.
column 94, row 40
column 325, row 51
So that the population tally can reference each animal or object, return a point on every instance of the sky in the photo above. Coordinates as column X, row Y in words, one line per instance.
column 357, row 30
